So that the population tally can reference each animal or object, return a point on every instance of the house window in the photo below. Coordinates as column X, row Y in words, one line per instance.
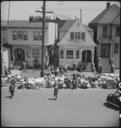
column 69, row 54
column 83, row 36
column 37, row 36
column 104, row 31
column 116, row 48
column 14, row 35
column 77, row 35
column 35, row 52
column 25, row 35
column 117, row 31
column 20, row 35
column 72, row 35
column 77, row 54
column 61, row 53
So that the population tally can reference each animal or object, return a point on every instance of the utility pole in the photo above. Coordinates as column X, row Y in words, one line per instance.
column 43, row 36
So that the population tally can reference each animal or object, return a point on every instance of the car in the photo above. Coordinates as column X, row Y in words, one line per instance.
column 114, row 99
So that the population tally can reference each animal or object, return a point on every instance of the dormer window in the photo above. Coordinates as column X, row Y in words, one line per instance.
column 72, row 35
column 77, row 35
column 83, row 36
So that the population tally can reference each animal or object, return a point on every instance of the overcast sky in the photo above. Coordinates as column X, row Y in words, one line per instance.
column 21, row 10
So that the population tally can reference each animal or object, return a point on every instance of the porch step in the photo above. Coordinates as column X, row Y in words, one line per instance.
column 88, row 68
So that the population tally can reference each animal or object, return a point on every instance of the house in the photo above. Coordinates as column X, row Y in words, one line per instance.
column 76, row 44
column 107, row 36
column 24, row 40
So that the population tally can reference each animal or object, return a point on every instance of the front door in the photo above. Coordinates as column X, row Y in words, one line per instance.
column 86, row 56
column 19, row 54
column 105, row 50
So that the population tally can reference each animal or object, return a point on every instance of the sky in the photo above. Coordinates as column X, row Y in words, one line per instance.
column 21, row 10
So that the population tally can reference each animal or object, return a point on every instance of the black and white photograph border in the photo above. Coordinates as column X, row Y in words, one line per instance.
column 60, row 64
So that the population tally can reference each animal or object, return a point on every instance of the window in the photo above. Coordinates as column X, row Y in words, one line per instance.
column 77, row 54
column 19, row 35
column 25, row 35
column 14, row 35
column 37, row 36
column 116, row 48
column 83, row 36
column 35, row 52
column 61, row 53
column 69, row 54
column 77, row 35
column 104, row 31
column 117, row 31
column 72, row 35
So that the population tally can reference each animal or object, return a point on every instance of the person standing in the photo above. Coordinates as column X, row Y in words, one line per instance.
column 56, row 88
column 12, row 87
column 5, row 71
column 100, row 68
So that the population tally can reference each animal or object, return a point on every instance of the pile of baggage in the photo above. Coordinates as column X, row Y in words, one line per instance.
column 73, row 81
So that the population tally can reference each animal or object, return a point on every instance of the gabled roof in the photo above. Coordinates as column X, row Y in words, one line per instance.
column 22, row 24
column 108, row 15
column 64, row 38
column 67, row 25
column 117, row 19
column 88, row 28
column 64, row 29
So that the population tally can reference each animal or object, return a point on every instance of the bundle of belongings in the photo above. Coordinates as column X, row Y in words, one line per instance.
column 76, row 80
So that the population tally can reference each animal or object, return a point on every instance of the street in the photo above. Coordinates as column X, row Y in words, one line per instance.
column 79, row 107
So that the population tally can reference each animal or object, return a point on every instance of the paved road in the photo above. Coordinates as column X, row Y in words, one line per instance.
column 81, row 107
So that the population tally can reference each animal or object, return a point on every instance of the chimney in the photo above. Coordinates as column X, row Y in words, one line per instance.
column 81, row 15
column 108, row 4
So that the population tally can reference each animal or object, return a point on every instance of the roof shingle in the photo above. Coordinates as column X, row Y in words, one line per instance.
column 108, row 15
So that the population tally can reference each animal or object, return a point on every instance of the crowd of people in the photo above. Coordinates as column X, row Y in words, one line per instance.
column 58, row 78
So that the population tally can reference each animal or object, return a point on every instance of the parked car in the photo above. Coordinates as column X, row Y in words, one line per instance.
column 113, row 99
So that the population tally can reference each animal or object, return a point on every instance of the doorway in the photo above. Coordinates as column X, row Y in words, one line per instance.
column 19, row 54
column 86, row 56
column 105, row 50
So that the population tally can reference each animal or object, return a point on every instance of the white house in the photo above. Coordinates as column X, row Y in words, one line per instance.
column 76, row 44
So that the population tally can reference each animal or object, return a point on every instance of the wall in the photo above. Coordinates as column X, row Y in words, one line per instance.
column 74, row 60
column 30, row 40
column 30, row 59
column 52, row 33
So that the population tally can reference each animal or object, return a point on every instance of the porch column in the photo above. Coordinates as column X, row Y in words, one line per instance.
column 80, row 55
column 92, row 57
column 111, row 50
column 99, row 49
